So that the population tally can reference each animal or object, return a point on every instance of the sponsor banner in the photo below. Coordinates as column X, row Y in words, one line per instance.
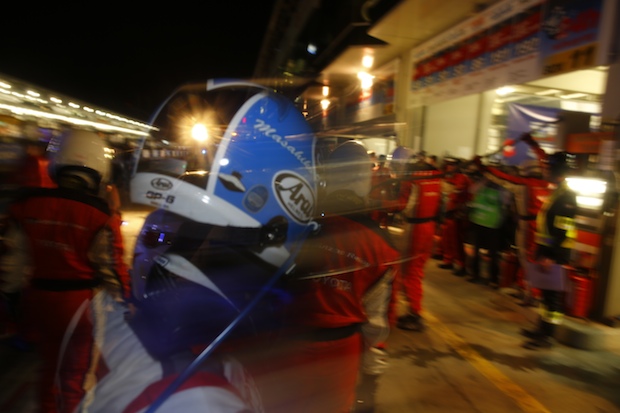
column 372, row 103
column 510, row 43
column 540, row 121
column 587, row 142
column 493, row 49
column 569, row 35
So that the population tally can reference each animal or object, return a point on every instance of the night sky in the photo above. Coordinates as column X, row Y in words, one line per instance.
column 129, row 61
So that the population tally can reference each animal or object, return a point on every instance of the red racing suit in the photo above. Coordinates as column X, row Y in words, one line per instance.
column 338, row 315
column 419, row 200
column 74, row 247
column 456, row 189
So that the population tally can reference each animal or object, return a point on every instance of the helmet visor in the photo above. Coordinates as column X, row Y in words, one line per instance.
column 188, row 130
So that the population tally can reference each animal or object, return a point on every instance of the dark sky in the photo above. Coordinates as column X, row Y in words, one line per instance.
column 128, row 61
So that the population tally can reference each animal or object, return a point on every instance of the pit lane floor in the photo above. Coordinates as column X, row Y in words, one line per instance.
column 469, row 359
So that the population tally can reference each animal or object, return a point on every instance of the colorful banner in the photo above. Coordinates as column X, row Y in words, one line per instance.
column 587, row 142
column 496, row 48
column 569, row 35
column 508, row 43
column 540, row 121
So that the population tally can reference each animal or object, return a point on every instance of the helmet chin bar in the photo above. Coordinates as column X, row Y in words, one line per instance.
column 284, row 269
column 272, row 233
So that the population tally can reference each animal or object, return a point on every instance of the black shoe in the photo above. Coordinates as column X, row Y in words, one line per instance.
column 461, row 272
column 529, row 302
column 402, row 318
column 446, row 266
column 365, row 393
column 533, row 334
column 437, row 256
column 541, row 343
column 411, row 322
column 476, row 280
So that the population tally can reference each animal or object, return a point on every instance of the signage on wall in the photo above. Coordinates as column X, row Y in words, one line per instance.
column 375, row 102
column 587, row 142
column 541, row 122
column 569, row 35
column 495, row 48
column 508, row 43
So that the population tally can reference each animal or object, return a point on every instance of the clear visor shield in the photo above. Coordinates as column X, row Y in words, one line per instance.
column 177, row 159
column 233, row 156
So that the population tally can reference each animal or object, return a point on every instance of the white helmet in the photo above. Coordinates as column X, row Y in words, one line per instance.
column 81, row 155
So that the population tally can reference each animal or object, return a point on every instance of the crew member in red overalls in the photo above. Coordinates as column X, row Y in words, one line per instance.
column 419, row 201
column 74, row 247
column 530, row 190
column 456, row 192
column 342, row 306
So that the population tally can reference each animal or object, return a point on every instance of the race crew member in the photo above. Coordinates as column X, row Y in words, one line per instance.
column 555, row 236
column 346, row 273
column 455, row 187
column 529, row 189
column 74, row 248
column 419, row 200
column 210, row 258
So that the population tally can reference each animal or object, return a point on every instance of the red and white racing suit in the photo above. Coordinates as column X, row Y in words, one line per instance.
column 340, row 312
column 74, row 247
column 419, row 199
column 124, row 378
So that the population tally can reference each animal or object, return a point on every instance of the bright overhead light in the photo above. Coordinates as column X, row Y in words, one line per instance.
column 587, row 185
column 366, row 79
column 547, row 92
column 324, row 104
column 573, row 95
column 367, row 61
column 589, row 202
column 199, row 132
column 76, row 121
column 505, row 90
column 325, row 91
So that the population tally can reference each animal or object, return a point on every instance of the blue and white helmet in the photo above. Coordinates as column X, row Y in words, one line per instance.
column 230, row 170
column 233, row 154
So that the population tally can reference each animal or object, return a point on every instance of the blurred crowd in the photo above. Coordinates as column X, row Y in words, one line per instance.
column 291, row 272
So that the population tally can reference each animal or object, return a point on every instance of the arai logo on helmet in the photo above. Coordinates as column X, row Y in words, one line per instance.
column 294, row 195
column 162, row 184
